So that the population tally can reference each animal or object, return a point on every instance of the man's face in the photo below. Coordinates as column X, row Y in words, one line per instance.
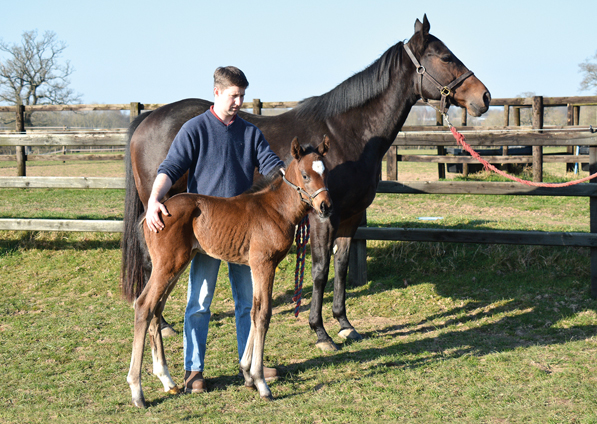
column 228, row 101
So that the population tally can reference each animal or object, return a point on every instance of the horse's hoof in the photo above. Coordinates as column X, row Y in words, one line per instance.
column 174, row 391
column 168, row 331
column 250, row 386
column 267, row 398
column 350, row 334
column 327, row 346
column 139, row 403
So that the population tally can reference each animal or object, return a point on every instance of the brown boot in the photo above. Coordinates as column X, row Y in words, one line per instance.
column 194, row 382
column 270, row 374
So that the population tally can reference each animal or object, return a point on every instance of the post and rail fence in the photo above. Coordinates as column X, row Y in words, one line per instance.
column 438, row 137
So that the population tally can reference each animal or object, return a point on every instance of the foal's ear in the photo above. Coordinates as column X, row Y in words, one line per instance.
column 324, row 146
column 296, row 150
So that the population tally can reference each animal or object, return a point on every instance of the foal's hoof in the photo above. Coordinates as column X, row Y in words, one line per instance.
column 139, row 403
column 327, row 346
column 174, row 390
column 267, row 398
column 350, row 334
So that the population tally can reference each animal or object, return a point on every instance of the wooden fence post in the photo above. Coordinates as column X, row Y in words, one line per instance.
column 464, row 123
column 257, row 105
column 392, row 163
column 516, row 116
column 20, row 128
column 593, row 220
column 441, row 150
column 136, row 109
column 537, row 150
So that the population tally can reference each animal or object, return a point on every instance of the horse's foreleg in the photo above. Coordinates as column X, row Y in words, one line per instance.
column 160, row 367
column 321, row 242
column 341, row 259
column 261, row 313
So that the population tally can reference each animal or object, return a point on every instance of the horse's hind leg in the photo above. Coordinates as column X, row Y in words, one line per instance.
column 160, row 367
column 142, row 317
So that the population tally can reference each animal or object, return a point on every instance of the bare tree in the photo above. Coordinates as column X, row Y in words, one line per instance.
column 589, row 69
column 33, row 73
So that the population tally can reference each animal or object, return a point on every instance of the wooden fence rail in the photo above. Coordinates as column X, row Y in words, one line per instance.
column 537, row 136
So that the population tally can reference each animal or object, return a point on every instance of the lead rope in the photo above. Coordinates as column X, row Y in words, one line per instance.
column 460, row 139
column 302, row 238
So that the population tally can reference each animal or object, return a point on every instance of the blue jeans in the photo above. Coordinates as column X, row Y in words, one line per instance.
column 202, row 284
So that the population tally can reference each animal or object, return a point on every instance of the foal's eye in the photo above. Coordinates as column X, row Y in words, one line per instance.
column 446, row 58
column 305, row 176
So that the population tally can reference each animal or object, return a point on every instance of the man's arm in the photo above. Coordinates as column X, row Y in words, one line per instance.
column 161, row 185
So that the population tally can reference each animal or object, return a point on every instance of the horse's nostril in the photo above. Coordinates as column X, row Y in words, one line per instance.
column 487, row 98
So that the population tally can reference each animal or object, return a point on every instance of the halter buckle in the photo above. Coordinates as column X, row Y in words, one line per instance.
column 421, row 70
column 445, row 91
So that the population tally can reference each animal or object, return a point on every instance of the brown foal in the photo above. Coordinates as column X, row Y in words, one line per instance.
column 255, row 229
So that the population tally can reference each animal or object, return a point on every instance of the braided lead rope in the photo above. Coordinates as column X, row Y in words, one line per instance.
column 302, row 238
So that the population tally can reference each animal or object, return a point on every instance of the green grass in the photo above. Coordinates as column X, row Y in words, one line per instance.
column 452, row 332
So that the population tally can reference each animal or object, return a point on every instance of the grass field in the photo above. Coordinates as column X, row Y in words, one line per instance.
column 452, row 332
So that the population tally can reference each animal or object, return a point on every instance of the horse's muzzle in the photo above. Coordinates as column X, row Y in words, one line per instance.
column 325, row 210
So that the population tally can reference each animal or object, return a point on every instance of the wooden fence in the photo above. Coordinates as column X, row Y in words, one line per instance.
column 537, row 136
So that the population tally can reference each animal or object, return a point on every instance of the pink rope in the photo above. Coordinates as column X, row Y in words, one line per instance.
column 460, row 139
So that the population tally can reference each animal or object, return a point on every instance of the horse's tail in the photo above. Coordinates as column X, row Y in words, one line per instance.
column 132, row 273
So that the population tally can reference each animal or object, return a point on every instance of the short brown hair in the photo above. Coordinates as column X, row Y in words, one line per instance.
column 229, row 76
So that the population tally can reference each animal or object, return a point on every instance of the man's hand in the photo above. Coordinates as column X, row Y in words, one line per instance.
column 152, row 217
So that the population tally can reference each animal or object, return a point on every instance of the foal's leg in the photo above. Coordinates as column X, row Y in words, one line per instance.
column 142, row 317
column 263, row 280
column 160, row 367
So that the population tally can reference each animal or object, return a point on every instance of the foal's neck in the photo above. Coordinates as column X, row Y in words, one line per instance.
column 287, row 201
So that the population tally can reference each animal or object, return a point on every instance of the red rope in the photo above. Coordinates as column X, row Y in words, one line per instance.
column 460, row 139
column 302, row 238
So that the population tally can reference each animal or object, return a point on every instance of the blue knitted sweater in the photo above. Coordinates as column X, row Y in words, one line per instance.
column 221, row 158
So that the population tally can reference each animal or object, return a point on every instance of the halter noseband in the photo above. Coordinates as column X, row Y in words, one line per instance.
column 300, row 191
column 444, row 90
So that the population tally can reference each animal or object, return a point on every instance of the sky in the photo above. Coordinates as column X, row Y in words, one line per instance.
column 163, row 51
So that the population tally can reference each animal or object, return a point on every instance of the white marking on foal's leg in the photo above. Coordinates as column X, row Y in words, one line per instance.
column 318, row 167
column 161, row 371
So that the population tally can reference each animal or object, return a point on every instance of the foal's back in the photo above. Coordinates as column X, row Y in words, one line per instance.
column 225, row 228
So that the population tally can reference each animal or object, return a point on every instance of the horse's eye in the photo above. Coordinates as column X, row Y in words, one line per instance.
column 446, row 58
column 305, row 176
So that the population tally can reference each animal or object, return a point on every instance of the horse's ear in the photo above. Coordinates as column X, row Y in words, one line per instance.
column 324, row 146
column 296, row 150
column 423, row 27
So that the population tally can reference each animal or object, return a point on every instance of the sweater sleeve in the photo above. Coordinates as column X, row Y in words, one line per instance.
column 267, row 160
column 180, row 156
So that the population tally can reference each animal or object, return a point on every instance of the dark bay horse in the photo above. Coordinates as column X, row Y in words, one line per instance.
column 255, row 229
column 362, row 117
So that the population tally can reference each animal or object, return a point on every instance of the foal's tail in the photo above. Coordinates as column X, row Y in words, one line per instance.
column 132, row 273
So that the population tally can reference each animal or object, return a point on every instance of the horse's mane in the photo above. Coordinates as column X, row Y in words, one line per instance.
column 356, row 90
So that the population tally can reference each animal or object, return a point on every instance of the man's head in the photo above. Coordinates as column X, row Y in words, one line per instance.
column 228, row 76
column 229, row 91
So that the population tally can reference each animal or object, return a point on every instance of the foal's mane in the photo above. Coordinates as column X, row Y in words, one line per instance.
column 272, row 180
column 356, row 90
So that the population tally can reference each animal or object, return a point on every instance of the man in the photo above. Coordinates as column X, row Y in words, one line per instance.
column 221, row 151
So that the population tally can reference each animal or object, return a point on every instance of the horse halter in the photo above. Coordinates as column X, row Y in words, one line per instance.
column 310, row 197
column 444, row 90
